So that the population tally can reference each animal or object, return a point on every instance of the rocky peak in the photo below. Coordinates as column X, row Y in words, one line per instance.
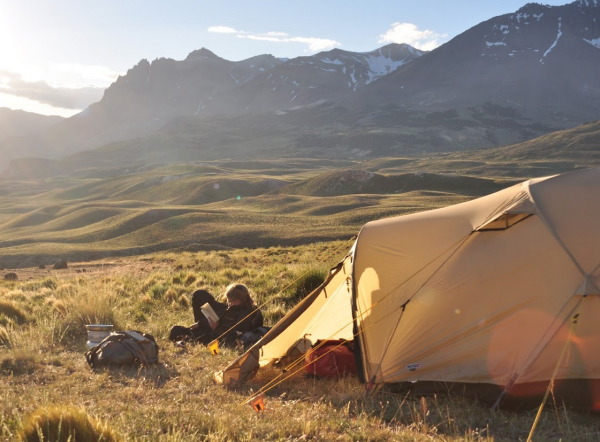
column 201, row 53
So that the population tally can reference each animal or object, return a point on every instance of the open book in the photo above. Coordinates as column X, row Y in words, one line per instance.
column 208, row 311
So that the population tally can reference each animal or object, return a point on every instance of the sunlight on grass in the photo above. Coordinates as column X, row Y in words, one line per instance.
column 42, row 363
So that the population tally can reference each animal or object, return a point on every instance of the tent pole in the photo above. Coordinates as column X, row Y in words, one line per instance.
column 550, row 388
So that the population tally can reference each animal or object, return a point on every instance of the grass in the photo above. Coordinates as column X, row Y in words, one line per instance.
column 44, row 377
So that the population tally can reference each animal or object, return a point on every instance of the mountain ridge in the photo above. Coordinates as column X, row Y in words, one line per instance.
column 508, row 79
column 152, row 93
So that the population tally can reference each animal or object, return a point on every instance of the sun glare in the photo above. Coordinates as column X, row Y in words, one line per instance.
column 9, row 47
column 14, row 102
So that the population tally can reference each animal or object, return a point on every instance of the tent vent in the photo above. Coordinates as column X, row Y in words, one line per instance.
column 503, row 222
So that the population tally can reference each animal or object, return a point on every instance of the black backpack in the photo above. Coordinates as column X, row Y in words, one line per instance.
column 124, row 348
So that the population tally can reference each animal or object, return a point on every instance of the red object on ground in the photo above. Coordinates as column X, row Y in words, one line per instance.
column 330, row 359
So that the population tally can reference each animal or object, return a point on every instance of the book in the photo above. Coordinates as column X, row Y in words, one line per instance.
column 135, row 335
column 208, row 311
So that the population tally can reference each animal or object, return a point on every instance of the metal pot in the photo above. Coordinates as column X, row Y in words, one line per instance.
column 96, row 333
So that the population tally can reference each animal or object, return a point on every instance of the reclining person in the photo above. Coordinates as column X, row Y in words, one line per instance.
column 239, row 315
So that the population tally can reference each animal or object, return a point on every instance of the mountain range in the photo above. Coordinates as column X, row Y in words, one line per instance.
column 509, row 79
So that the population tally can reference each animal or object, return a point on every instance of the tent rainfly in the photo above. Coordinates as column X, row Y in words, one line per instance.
column 483, row 297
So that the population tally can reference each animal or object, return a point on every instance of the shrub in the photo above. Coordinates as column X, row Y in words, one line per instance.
column 62, row 424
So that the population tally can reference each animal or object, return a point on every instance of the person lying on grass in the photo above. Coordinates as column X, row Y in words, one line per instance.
column 236, row 317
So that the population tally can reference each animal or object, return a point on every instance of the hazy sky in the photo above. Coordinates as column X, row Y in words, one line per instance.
column 58, row 56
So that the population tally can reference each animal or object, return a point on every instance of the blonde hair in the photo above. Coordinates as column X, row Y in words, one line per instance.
column 239, row 292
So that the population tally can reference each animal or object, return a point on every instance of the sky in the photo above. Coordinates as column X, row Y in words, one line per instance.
column 57, row 57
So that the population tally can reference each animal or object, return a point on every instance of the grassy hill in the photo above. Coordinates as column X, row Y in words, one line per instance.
column 204, row 206
column 86, row 213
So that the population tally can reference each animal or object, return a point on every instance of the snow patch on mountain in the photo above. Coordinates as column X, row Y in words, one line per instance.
column 497, row 43
column 328, row 61
column 558, row 35
column 381, row 65
column 595, row 42
column 522, row 16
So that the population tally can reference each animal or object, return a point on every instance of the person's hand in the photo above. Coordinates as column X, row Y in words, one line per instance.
column 194, row 326
column 212, row 324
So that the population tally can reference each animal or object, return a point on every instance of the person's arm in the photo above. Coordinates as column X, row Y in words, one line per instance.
column 257, row 319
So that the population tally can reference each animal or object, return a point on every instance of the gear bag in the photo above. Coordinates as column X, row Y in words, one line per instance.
column 124, row 348
column 330, row 359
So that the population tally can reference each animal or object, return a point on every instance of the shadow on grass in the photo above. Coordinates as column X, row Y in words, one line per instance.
column 439, row 415
column 158, row 374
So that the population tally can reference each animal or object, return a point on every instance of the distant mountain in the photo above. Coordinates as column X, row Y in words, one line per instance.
column 541, row 63
column 324, row 76
column 19, row 128
column 509, row 79
column 15, row 123
column 203, row 84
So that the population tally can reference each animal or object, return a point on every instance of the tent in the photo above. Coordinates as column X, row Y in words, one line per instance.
column 490, row 296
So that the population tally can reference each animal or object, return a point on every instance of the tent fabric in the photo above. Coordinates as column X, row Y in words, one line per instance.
column 482, row 305
column 322, row 315
column 482, row 292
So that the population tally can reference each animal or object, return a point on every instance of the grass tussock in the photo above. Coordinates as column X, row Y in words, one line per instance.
column 305, row 284
column 65, row 424
column 20, row 362
column 5, row 340
column 10, row 312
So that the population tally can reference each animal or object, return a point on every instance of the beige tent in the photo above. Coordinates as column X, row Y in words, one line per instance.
column 478, row 294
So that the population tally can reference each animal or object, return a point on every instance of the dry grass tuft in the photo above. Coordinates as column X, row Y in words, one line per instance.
column 65, row 424
column 11, row 311
column 184, row 301
column 5, row 340
column 15, row 295
column 189, row 279
column 305, row 284
column 171, row 295
column 19, row 362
